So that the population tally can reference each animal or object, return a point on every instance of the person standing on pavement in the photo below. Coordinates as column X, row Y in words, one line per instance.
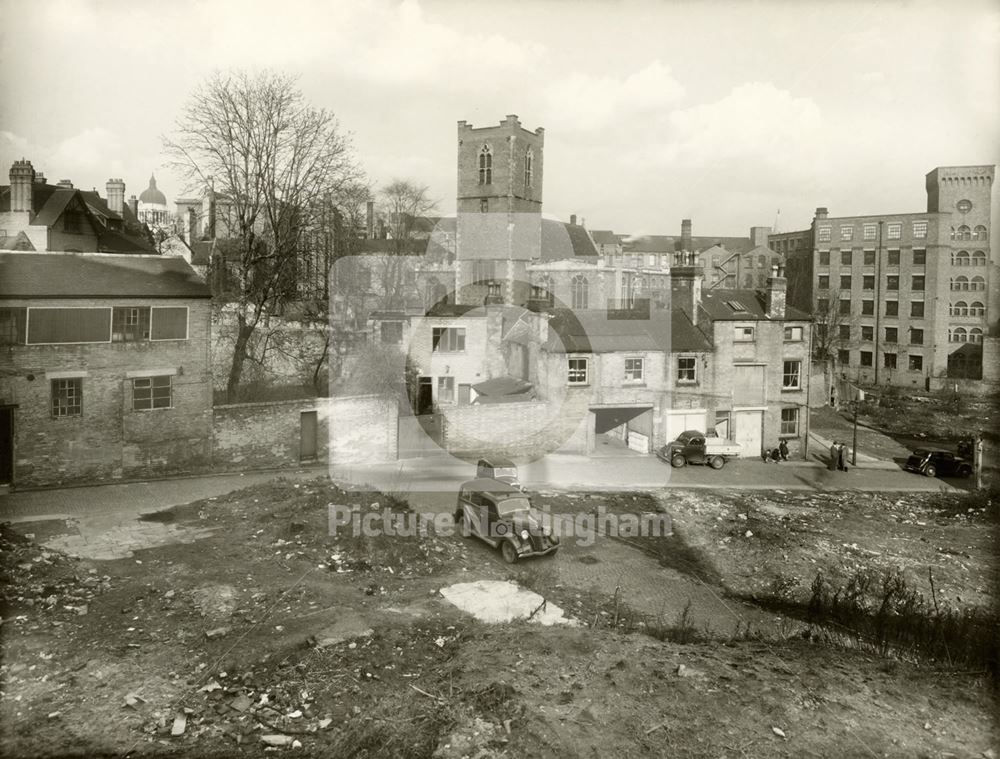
column 783, row 450
column 834, row 456
column 842, row 458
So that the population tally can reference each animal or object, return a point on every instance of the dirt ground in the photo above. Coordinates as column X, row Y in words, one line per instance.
column 266, row 634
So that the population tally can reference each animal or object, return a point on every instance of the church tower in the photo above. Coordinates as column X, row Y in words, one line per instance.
column 499, row 205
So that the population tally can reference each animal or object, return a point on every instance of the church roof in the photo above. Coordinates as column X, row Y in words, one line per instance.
column 152, row 195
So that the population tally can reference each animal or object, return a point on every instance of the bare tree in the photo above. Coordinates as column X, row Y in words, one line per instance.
column 255, row 140
column 404, row 205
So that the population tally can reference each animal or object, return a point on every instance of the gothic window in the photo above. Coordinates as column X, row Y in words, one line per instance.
column 485, row 165
column 581, row 291
column 529, row 159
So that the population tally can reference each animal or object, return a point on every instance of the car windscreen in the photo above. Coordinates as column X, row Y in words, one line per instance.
column 505, row 471
column 509, row 506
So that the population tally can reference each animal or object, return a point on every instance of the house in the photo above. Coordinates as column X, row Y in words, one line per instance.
column 104, row 365
column 38, row 216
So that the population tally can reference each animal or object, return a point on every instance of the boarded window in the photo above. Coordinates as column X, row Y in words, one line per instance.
column 12, row 321
column 151, row 392
column 69, row 325
column 169, row 324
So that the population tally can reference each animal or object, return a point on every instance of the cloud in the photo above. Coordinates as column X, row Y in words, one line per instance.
column 82, row 158
column 584, row 102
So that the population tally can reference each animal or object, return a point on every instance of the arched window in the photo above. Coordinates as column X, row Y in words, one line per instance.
column 961, row 308
column 529, row 160
column 977, row 283
column 961, row 258
column 960, row 283
column 979, row 233
column 978, row 258
column 964, row 233
column 975, row 335
column 976, row 308
column 958, row 335
column 581, row 291
column 486, row 165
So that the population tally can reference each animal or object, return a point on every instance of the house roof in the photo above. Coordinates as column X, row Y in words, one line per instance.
column 597, row 332
column 743, row 305
column 503, row 386
column 603, row 237
column 98, row 275
column 53, row 207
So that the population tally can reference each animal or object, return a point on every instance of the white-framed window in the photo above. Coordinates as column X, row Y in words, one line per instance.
column 790, row 422
column 150, row 393
column 446, row 390
column 791, row 376
column 448, row 339
column 793, row 334
column 687, row 369
column 743, row 334
column 577, row 370
column 846, row 233
column 67, row 396
column 633, row 369
column 870, row 231
column 823, row 234
column 894, row 231
column 920, row 230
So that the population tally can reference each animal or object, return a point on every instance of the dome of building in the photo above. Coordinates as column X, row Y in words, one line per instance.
column 153, row 196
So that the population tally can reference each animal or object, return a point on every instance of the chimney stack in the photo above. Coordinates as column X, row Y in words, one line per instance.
column 65, row 184
column 116, row 195
column 759, row 236
column 685, row 290
column 39, row 178
column 572, row 219
column 210, row 215
column 22, row 176
column 822, row 212
column 686, row 235
column 370, row 221
column 777, row 291
column 133, row 203
column 192, row 230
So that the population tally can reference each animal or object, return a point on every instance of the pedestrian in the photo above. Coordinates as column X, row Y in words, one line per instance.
column 776, row 456
column 765, row 455
column 834, row 455
column 783, row 450
column 842, row 458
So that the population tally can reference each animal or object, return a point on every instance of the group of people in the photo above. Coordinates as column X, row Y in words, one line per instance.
column 838, row 456
column 775, row 454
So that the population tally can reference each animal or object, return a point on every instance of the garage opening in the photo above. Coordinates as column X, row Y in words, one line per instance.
column 618, row 429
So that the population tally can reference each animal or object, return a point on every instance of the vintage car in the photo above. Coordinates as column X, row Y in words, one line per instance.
column 498, row 468
column 694, row 447
column 933, row 462
column 503, row 517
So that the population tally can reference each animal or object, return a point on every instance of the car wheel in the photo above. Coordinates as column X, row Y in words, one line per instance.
column 508, row 552
column 716, row 462
column 965, row 472
column 678, row 461
column 930, row 471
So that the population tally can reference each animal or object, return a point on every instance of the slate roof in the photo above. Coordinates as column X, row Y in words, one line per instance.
column 90, row 275
column 604, row 237
column 561, row 240
column 715, row 303
column 594, row 332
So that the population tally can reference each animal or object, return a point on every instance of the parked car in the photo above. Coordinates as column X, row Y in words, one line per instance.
column 503, row 517
column 693, row 447
column 498, row 468
column 933, row 462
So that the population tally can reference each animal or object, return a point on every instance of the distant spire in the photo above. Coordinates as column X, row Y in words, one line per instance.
column 777, row 218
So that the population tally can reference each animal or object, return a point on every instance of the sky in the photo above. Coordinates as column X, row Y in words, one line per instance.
column 731, row 114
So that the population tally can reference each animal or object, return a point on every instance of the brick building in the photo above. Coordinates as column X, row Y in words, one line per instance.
column 904, row 299
column 104, row 367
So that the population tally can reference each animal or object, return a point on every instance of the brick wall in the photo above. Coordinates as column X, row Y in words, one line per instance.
column 359, row 429
column 109, row 440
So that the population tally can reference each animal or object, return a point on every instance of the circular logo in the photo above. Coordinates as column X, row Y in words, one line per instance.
column 501, row 529
column 964, row 206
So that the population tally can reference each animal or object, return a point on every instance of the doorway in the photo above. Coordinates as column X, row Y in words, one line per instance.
column 6, row 445
column 308, row 428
